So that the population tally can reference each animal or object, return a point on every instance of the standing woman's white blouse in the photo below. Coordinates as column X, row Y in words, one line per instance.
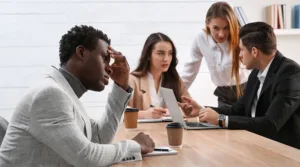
column 219, row 62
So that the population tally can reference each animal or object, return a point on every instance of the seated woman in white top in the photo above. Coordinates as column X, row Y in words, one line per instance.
column 218, row 43
column 156, row 68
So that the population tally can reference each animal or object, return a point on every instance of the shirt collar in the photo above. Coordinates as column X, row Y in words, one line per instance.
column 75, row 84
column 150, row 77
column 263, row 74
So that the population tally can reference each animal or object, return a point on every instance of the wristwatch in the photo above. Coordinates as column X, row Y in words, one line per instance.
column 221, row 120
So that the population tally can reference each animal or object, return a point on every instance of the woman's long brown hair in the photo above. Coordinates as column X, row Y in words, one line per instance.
column 224, row 10
column 170, row 78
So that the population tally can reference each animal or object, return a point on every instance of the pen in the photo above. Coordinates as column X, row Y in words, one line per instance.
column 161, row 149
column 152, row 106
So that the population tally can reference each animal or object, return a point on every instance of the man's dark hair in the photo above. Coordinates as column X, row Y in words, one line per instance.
column 259, row 35
column 86, row 36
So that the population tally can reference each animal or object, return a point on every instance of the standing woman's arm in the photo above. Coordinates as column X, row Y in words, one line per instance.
column 192, row 66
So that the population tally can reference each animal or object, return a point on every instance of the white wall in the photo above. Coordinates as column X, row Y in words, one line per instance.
column 31, row 29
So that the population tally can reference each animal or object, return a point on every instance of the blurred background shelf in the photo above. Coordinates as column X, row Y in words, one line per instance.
column 287, row 31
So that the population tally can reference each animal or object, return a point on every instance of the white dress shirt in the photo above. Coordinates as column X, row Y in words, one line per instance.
column 219, row 62
column 261, row 77
column 156, row 98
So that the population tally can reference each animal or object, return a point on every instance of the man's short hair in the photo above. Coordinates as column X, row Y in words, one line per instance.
column 86, row 36
column 259, row 35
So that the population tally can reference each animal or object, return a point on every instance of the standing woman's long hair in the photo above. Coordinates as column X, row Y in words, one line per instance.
column 170, row 78
column 224, row 10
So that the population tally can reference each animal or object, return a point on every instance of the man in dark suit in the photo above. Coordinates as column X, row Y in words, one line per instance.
column 270, row 104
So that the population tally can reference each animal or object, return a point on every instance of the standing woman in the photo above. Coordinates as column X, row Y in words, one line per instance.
column 156, row 68
column 218, row 44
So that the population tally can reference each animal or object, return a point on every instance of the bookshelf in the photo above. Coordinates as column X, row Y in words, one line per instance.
column 282, row 32
column 287, row 39
column 260, row 14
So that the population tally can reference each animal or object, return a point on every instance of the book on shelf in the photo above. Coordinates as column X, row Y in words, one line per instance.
column 271, row 15
column 297, row 16
column 279, row 16
column 243, row 15
column 242, row 19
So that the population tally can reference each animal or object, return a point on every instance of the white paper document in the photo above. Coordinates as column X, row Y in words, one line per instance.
column 161, row 151
column 163, row 119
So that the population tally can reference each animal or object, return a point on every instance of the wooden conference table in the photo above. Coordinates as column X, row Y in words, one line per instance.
column 214, row 148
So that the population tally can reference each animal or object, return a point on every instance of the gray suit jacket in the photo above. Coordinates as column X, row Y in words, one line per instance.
column 3, row 127
column 51, row 128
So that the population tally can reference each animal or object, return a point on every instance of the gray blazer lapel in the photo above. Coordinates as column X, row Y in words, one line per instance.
column 59, row 78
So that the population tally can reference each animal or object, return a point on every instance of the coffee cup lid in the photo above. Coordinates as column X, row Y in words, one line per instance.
column 174, row 125
column 131, row 110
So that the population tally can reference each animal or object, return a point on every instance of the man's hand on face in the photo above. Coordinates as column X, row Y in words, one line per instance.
column 209, row 115
column 120, row 68
column 146, row 143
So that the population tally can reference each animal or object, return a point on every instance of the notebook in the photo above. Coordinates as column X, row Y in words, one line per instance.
column 163, row 119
